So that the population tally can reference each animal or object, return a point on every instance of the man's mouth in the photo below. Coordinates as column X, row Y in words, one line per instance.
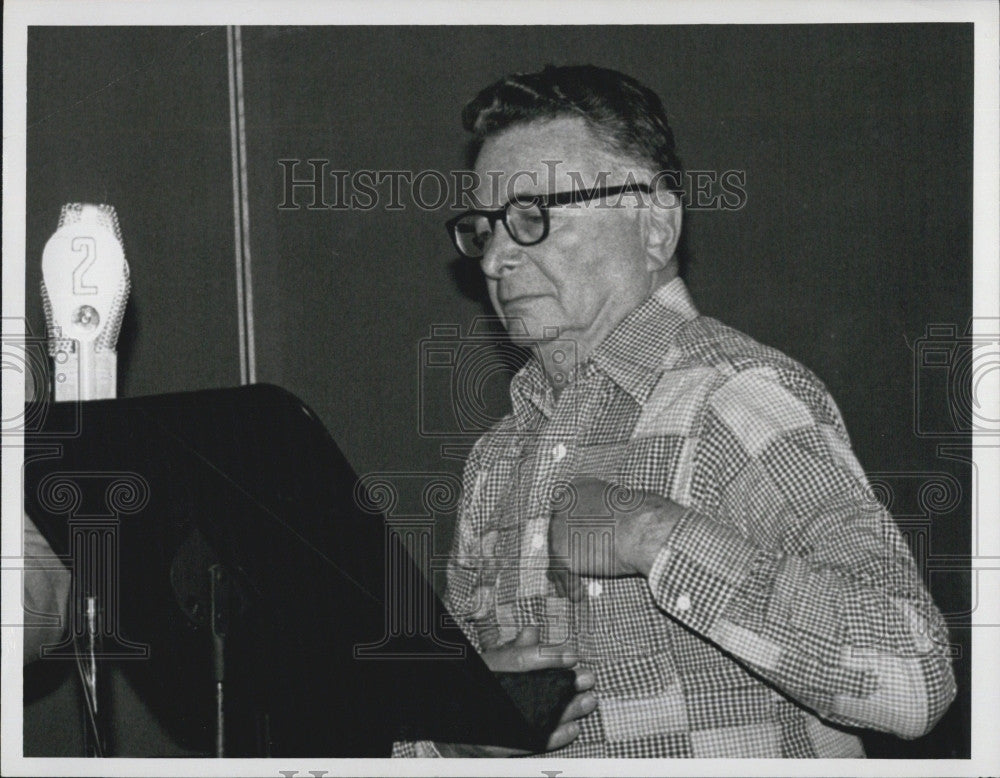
column 513, row 299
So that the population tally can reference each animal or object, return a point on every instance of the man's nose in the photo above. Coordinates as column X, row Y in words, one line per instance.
column 502, row 254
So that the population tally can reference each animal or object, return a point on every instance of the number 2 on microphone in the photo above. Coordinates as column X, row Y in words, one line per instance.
column 89, row 247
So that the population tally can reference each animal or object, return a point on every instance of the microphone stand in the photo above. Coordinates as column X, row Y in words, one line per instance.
column 219, row 588
column 85, row 284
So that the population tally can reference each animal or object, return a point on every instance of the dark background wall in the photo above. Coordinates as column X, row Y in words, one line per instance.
column 856, row 144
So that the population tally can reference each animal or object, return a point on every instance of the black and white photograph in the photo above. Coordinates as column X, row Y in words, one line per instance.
column 501, row 388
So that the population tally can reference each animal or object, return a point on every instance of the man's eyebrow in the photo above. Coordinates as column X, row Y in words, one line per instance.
column 478, row 205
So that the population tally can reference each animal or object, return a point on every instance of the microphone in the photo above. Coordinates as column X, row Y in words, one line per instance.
column 85, row 284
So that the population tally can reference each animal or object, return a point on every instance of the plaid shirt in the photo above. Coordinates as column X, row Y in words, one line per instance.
column 784, row 603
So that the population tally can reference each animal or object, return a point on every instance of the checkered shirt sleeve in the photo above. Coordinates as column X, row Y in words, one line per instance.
column 786, row 561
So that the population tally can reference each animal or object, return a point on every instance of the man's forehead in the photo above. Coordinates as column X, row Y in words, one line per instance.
column 544, row 156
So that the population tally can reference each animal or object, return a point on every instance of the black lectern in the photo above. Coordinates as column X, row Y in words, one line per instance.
column 222, row 534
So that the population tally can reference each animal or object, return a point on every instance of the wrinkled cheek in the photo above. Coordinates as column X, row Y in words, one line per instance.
column 491, row 288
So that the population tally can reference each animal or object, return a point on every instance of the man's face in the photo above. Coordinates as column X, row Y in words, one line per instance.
column 593, row 268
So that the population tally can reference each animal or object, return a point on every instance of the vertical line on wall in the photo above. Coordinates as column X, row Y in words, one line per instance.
column 245, row 210
column 241, row 208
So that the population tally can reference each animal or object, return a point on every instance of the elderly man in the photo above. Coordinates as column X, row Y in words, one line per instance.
column 670, row 507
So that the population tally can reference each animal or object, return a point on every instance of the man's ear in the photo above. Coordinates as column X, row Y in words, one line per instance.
column 663, row 228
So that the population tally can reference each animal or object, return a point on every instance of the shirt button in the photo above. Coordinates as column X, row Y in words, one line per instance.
column 537, row 540
column 559, row 451
column 594, row 589
column 683, row 603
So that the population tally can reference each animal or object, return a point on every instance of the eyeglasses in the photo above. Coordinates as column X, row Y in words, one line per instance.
column 525, row 217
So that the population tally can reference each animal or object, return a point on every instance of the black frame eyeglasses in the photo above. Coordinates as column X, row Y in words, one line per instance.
column 525, row 217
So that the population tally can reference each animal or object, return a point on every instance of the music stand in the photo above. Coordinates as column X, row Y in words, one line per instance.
column 229, row 543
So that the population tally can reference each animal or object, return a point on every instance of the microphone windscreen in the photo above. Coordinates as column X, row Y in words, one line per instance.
column 85, row 285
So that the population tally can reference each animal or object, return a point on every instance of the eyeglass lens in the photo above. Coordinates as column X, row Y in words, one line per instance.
column 525, row 224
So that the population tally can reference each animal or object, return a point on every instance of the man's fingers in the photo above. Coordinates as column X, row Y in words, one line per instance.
column 580, row 706
column 526, row 653
column 563, row 736
column 529, row 636
column 585, row 680
column 532, row 658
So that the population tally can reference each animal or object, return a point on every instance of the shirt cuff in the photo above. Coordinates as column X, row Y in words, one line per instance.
column 700, row 568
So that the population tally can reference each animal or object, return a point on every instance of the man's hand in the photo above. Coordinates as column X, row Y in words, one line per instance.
column 606, row 532
column 522, row 655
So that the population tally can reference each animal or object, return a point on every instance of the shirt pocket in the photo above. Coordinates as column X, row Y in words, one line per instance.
column 641, row 697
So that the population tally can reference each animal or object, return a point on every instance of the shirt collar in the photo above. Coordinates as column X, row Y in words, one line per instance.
column 631, row 356
column 530, row 393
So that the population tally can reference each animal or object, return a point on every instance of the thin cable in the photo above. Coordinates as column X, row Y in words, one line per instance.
column 89, row 704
